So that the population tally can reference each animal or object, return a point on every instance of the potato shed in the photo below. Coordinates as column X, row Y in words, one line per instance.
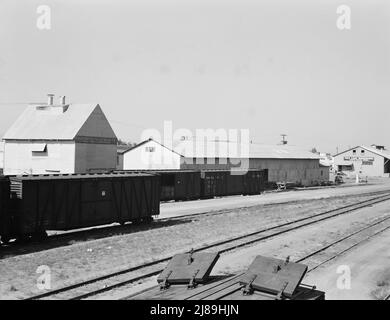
column 285, row 162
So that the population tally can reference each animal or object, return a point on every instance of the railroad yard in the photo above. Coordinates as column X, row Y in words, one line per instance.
column 329, row 229
column 195, row 158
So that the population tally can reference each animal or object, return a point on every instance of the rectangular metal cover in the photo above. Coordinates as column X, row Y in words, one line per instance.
column 274, row 275
column 183, row 267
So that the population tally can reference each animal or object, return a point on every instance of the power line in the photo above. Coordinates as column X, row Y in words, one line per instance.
column 24, row 103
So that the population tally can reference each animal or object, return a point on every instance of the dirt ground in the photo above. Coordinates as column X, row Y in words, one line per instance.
column 171, row 209
column 82, row 260
column 369, row 262
column 369, row 267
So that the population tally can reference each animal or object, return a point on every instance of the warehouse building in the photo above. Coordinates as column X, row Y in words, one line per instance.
column 60, row 138
column 370, row 161
column 285, row 163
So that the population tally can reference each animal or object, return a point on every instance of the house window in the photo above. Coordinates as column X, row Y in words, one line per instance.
column 150, row 149
column 354, row 151
column 362, row 151
column 39, row 150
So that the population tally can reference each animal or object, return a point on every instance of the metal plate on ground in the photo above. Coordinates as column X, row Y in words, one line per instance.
column 274, row 275
column 189, row 266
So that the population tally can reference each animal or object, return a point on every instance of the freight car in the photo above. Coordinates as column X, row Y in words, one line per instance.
column 218, row 183
column 65, row 202
column 204, row 184
column 179, row 184
column 191, row 184
column 4, row 204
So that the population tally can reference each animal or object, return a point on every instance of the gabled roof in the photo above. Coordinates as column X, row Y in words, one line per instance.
column 223, row 149
column 144, row 142
column 53, row 123
column 383, row 153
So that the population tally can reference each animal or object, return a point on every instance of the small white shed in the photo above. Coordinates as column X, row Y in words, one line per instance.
column 149, row 155
column 62, row 138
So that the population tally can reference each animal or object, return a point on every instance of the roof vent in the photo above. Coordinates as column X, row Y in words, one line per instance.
column 62, row 100
column 50, row 99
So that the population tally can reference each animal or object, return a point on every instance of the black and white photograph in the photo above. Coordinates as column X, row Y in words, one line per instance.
column 225, row 152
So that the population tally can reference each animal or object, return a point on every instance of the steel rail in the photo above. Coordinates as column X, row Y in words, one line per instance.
column 308, row 256
column 322, row 216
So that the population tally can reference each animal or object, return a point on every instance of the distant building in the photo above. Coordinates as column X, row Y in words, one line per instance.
column 284, row 162
column 148, row 155
column 370, row 161
column 60, row 138
column 326, row 159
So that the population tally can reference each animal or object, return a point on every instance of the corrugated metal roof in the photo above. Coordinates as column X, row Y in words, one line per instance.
column 50, row 123
column 222, row 149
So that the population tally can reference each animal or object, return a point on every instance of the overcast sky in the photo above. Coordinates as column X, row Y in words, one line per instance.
column 268, row 66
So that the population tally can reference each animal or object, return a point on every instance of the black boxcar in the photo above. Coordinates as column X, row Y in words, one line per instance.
column 214, row 183
column 64, row 202
column 217, row 183
column 179, row 184
column 4, row 207
column 255, row 181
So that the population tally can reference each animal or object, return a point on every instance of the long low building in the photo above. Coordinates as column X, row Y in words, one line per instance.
column 284, row 162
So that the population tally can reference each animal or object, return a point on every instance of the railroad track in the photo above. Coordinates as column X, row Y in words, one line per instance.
column 102, row 231
column 371, row 233
column 217, row 212
column 98, row 285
